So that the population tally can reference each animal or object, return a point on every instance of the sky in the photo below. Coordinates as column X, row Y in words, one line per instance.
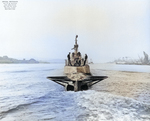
column 46, row 29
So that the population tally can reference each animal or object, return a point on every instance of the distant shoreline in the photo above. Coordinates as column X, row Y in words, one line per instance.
column 28, row 63
column 7, row 60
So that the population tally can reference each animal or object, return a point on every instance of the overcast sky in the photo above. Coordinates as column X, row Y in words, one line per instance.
column 46, row 29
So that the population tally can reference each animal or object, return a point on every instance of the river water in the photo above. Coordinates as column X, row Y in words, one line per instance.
column 27, row 95
column 119, row 67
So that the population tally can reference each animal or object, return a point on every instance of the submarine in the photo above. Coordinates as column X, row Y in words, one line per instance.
column 77, row 75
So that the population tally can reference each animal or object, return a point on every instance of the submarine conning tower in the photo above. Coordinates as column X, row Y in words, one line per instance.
column 75, row 63
column 77, row 75
column 77, row 69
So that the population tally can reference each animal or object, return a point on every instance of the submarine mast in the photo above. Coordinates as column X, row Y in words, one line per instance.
column 76, row 46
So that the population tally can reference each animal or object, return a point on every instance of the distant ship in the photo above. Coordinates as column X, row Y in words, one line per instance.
column 91, row 62
column 77, row 72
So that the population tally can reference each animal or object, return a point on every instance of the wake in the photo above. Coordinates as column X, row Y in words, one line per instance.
column 104, row 106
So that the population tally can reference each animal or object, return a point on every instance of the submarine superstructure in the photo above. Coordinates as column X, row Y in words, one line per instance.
column 77, row 72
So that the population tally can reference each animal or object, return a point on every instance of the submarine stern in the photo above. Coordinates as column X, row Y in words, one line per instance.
column 77, row 72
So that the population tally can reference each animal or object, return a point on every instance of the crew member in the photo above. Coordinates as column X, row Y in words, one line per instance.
column 69, row 62
column 85, row 59
column 79, row 61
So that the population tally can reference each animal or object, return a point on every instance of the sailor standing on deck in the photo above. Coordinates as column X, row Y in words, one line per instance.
column 85, row 59
column 79, row 56
column 69, row 62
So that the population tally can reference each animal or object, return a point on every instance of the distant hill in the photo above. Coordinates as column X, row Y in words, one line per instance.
column 6, row 59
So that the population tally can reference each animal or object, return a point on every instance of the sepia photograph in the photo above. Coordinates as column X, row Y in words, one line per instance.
column 75, row 60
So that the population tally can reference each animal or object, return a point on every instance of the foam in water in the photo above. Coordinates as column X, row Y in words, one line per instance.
column 29, row 96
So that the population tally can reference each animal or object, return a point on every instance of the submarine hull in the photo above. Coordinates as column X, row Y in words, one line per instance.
column 78, row 85
column 77, row 78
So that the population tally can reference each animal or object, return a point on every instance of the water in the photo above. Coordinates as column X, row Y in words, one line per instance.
column 26, row 95
column 132, row 68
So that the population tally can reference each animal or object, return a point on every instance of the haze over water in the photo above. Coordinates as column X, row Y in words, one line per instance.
column 46, row 29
